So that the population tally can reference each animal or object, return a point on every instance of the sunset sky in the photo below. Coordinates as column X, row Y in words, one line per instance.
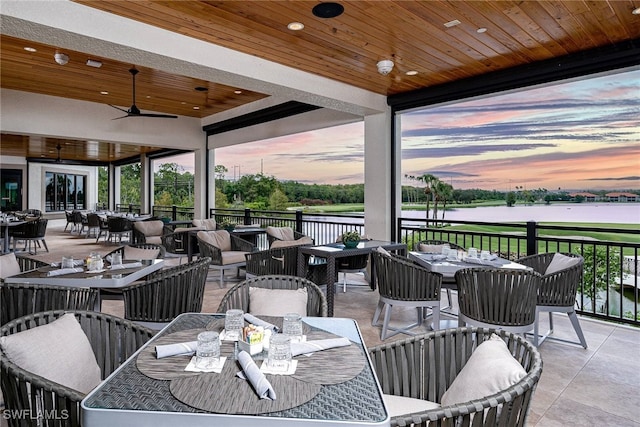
column 574, row 136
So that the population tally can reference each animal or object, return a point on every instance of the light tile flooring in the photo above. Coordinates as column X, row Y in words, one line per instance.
column 599, row 386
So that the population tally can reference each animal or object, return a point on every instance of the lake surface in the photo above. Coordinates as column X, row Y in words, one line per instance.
column 620, row 213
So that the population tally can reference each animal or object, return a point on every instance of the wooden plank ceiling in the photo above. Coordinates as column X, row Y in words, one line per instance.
column 415, row 35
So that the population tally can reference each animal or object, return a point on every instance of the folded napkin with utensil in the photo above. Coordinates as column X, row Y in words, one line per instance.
column 128, row 265
column 65, row 271
column 259, row 322
column 252, row 373
column 489, row 262
column 299, row 348
column 177, row 349
column 76, row 263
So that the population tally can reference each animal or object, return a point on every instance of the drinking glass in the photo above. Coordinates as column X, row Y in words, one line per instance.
column 292, row 326
column 67, row 262
column 116, row 258
column 233, row 324
column 279, row 355
column 485, row 255
column 446, row 249
column 208, row 350
column 452, row 255
column 472, row 253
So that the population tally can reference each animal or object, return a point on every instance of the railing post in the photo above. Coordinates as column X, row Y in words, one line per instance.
column 130, row 208
column 299, row 221
column 532, row 238
column 174, row 213
column 247, row 216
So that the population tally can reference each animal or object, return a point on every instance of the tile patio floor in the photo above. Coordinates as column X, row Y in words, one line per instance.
column 599, row 386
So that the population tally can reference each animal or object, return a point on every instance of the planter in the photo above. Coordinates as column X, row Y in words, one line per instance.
column 350, row 244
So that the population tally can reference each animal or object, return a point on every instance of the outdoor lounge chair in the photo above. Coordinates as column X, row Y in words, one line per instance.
column 225, row 250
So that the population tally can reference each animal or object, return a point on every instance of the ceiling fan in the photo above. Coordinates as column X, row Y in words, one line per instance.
column 134, row 111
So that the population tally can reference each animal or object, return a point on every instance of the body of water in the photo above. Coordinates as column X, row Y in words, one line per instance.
column 620, row 213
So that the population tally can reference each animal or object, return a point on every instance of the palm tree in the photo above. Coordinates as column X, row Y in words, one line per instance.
column 445, row 192
column 429, row 181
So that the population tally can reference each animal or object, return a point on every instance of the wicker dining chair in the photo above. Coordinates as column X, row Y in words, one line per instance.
column 229, row 255
column 557, row 292
column 405, row 284
column 238, row 295
column 425, row 366
column 119, row 226
column 32, row 233
column 113, row 341
column 286, row 234
column 166, row 294
column 497, row 298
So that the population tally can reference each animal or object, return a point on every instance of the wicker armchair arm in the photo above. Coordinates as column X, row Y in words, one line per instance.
column 559, row 288
column 401, row 279
column 239, row 244
column 210, row 251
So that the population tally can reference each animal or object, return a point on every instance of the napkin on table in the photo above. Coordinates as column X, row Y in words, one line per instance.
column 299, row 348
column 76, row 263
column 128, row 265
column 251, row 372
column 177, row 349
column 259, row 322
column 492, row 263
column 62, row 271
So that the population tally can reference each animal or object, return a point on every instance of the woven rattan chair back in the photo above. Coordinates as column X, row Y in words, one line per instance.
column 276, row 261
column 168, row 293
column 416, row 246
column 238, row 295
column 21, row 299
column 557, row 293
column 498, row 298
column 113, row 341
column 424, row 366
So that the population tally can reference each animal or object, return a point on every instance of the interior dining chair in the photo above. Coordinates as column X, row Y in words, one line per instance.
column 558, row 289
column 166, row 294
column 112, row 340
column 497, row 298
column 402, row 283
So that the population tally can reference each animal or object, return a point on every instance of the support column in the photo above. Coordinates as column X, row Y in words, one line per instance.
column 377, row 175
column 114, row 194
column 146, row 176
column 212, row 182
column 200, row 183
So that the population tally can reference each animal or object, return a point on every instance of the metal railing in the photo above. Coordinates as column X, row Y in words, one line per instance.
column 611, row 285
column 175, row 213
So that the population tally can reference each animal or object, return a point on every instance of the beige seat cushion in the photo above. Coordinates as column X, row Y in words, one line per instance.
column 490, row 369
column 233, row 257
column 400, row 405
column 132, row 253
column 9, row 265
column 281, row 233
column 221, row 239
column 58, row 351
column 306, row 240
column 277, row 302
column 560, row 262
column 207, row 224
column 149, row 228
column 431, row 249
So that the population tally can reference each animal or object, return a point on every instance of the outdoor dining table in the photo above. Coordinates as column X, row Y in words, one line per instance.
column 333, row 251
column 147, row 391
column 439, row 264
column 103, row 279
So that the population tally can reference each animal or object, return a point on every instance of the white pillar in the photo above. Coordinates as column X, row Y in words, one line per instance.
column 146, row 176
column 200, row 178
column 212, row 182
column 377, row 175
column 114, row 196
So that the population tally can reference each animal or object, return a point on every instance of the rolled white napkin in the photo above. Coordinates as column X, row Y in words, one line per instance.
column 62, row 271
column 252, row 373
column 298, row 348
column 76, row 263
column 177, row 349
column 128, row 265
column 479, row 261
column 259, row 322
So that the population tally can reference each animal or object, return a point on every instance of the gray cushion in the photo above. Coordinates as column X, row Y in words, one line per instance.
column 277, row 302
column 490, row 369
column 306, row 240
column 133, row 253
column 400, row 405
column 560, row 262
column 58, row 351
column 9, row 265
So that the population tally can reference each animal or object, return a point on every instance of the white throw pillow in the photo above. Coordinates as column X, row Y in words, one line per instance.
column 400, row 405
column 9, row 265
column 490, row 369
column 277, row 302
column 382, row 251
column 58, row 351
column 560, row 262
column 132, row 253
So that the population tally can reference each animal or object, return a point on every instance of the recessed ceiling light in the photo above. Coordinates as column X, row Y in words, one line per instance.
column 295, row 26
column 452, row 23
column 104, row 92
column 237, row 92
column 411, row 73
column 328, row 10
column 183, row 103
column 636, row 11
column 481, row 30
column 30, row 49
column 196, row 108
column 148, row 96
column 93, row 63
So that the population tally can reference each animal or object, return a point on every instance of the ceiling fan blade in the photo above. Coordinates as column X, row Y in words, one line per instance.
column 166, row 116
column 118, row 108
column 122, row 117
column 134, row 111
